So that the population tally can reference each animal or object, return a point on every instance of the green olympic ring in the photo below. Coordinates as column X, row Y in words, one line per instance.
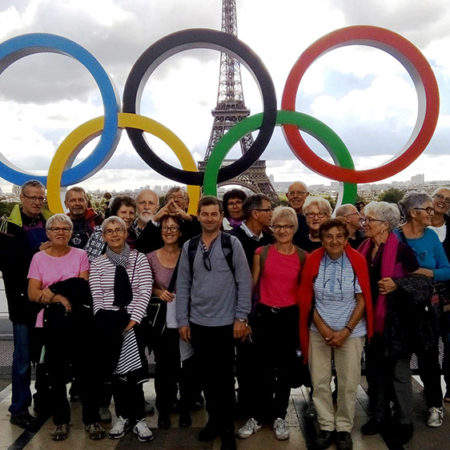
column 323, row 133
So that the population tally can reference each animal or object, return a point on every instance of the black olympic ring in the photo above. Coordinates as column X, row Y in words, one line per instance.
column 190, row 39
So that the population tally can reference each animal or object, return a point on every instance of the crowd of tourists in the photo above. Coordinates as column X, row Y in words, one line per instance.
column 239, row 304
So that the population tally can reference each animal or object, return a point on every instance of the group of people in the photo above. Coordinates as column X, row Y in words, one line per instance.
column 272, row 298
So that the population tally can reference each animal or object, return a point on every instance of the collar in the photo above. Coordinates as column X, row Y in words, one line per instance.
column 250, row 233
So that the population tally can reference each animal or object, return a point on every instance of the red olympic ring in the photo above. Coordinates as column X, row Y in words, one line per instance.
column 417, row 67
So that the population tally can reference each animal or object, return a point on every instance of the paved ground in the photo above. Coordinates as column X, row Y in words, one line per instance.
column 301, row 430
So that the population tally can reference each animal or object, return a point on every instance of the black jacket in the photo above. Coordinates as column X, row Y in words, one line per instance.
column 15, row 259
column 410, row 322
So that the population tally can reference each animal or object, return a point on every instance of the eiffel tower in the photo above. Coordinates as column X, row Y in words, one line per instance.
column 231, row 109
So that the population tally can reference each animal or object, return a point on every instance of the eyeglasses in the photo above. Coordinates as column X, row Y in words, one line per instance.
column 278, row 228
column 234, row 203
column 369, row 220
column 429, row 210
column 35, row 199
column 441, row 198
column 110, row 232
column 170, row 229
column 311, row 215
column 57, row 229
column 299, row 193
column 264, row 209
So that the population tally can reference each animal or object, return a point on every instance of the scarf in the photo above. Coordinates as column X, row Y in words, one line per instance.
column 389, row 268
column 123, row 293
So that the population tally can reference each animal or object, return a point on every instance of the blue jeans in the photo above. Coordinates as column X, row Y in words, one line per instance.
column 21, row 370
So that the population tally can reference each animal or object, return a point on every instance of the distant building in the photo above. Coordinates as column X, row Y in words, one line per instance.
column 418, row 179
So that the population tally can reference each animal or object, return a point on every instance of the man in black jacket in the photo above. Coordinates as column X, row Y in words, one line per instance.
column 20, row 238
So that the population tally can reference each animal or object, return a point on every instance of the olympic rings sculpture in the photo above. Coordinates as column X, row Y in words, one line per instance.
column 61, row 173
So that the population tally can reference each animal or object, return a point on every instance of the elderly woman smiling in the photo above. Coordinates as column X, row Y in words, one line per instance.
column 56, row 264
column 121, row 283
column 276, row 270
column 336, row 277
column 316, row 210
column 388, row 353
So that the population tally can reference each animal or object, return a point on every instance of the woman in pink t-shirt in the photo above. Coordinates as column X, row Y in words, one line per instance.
column 57, row 263
column 275, row 325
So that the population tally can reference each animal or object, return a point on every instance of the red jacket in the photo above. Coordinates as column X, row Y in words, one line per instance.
column 306, row 291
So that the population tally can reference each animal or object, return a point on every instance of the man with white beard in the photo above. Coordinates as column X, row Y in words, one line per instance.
column 147, row 203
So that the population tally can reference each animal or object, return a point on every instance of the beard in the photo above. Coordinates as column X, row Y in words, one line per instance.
column 145, row 217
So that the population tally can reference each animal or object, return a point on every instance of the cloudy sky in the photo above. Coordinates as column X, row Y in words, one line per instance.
column 364, row 94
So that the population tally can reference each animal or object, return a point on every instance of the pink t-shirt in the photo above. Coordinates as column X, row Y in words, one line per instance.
column 279, row 282
column 51, row 269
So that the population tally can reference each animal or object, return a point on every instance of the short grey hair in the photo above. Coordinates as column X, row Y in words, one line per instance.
column 63, row 218
column 343, row 210
column 287, row 213
column 31, row 183
column 113, row 219
column 411, row 200
column 388, row 212
column 321, row 203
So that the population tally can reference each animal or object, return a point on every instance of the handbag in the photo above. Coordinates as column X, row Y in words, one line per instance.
column 156, row 315
column 157, row 308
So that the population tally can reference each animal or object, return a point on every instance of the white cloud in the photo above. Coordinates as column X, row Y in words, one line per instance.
column 364, row 94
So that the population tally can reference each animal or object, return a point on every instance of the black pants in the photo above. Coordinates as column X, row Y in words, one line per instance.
column 214, row 347
column 167, row 370
column 275, row 335
column 127, row 389
column 388, row 379
column 69, row 349
column 430, row 374
column 128, row 398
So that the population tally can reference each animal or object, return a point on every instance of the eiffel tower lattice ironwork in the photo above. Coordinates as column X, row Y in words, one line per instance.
column 231, row 109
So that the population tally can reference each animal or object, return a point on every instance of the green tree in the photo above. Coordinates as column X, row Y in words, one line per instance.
column 391, row 195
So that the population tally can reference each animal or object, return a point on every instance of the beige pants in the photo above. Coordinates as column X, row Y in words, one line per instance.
column 347, row 361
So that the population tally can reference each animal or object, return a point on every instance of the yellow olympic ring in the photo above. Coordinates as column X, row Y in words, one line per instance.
column 75, row 141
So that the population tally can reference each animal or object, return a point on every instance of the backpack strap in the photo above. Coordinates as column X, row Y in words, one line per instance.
column 262, row 259
column 227, row 249
column 302, row 257
column 192, row 250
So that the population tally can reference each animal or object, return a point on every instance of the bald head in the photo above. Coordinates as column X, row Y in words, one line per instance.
column 296, row 195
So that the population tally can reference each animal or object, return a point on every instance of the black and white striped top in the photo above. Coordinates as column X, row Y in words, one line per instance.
column 101, row 282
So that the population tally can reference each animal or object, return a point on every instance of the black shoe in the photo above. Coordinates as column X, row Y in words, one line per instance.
column 324, row 439
column 185, row 420
column 404, row 432
column 228, row 441
column 343, row 441
column 164, row 421
column 26, row 421
column 197, row 404
column 209, row 433
column 373, row 426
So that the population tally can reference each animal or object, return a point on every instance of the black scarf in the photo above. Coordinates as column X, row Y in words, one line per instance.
column 123, row 293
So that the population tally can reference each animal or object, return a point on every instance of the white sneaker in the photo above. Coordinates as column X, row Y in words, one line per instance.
column 250, row 427
column 435, row 417
column 281, row 429
column 143, row 432
column 119, row 429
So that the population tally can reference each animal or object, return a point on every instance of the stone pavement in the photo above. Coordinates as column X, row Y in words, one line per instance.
column 301, row 430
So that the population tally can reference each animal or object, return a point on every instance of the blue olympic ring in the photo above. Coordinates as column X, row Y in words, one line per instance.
column 28, row 44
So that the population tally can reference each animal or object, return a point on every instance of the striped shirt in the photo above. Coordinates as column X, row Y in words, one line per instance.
column 101, row 282
column 334, row 291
